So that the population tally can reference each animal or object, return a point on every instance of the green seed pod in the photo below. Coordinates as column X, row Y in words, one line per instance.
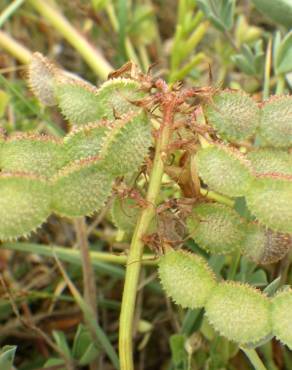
column 239, row 312
column 233, row 114
column 116, row 97
column 276, row 121
column 24, row 204
column 216, row 228
column 85, row 141
column 265, row 246
column 270, row 160
column 224, row 170
column 35, row 154
column 186, row 278
column 124, row 214
column 282, row 317
column 81, row 188
column 270, row 199
column 78, row 101
column 126, row 145
column 81, row 103
column 41, row 79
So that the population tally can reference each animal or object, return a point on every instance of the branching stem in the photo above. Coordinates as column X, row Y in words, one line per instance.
column 136, row 248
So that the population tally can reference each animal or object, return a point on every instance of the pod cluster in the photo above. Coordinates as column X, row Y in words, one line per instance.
column 219, row 229
column 263, row 176
column 237, row 311
column 110, row 136
column 237, row 118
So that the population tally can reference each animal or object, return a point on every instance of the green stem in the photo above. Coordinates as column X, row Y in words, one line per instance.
column 254, row 358
column 73, row 255
column 218, row 197
column 92, row 56
column 234, row 265
column 181, row 73
column 136, row 248
column 14, row 48
column 130, row 50
column 89, row 284
column 280, row 85
column 11, row 8
column 144, row 57
column 267, row 74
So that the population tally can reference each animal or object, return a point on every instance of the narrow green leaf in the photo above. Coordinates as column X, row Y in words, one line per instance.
column 92, row 323
column 284, row 54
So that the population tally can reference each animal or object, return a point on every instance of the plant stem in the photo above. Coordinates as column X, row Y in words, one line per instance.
column 254, row 358
column 218, row 197
column 136, row 248
column 91, row 55
column 14, row 48
column 88, row 273
column 267, row 73
column 11, row 8
column 280, row 85
column 73, row 256
column 129, row 48
column 89, row 285
column 234, row 265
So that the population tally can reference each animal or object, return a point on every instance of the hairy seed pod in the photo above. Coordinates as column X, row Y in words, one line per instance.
column 186, row 278
column 85, row 141
column 233, row 114
column 239, row 312
column 223, row 170
column 81, row 103
column 127, row 143
column 276, row 121
column 265, row 246
column 270, row 160
column 81, row 188
column 282, row 317
column 36, row 154
column 41, row 79
column 24, row 204
column 124, row 214
column 270, row 200
column 216, row 228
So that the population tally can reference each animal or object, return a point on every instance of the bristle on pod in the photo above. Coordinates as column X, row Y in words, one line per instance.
column 82, row 104
column 24, row 204
column 216, row 228
column 276, row 121
column 282, row 317
column 186, row 278
column 265, row 246
column 81, row 188
column 270, row 160
column 85, row 141
column 270, row 200
column 41, row 78
column 233, row 114
column 127, row 143
column 239, row 312
column 224, row 170
column 35, row 154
